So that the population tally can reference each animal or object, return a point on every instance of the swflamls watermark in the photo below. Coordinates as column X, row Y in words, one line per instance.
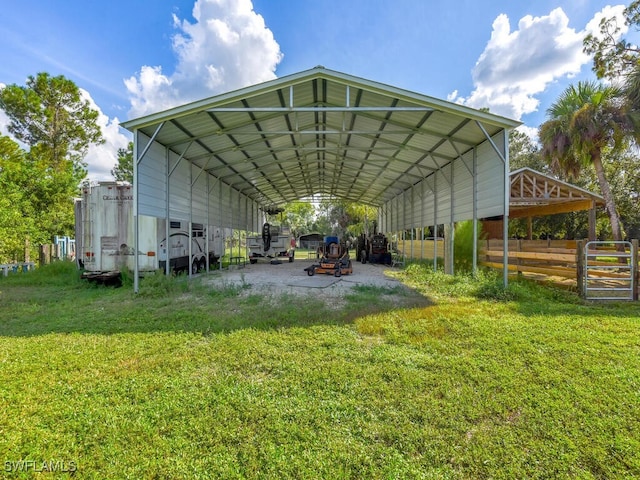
column 60, row 466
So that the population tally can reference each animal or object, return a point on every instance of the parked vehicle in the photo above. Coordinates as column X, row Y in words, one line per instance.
column 178, row 246
column 335, row 259
column 374, row 249
column 272, row 243
column 105, row 236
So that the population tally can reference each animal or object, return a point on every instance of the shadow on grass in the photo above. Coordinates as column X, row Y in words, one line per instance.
column 56, row 300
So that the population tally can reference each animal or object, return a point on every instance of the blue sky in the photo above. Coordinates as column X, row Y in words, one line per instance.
column 137, row 57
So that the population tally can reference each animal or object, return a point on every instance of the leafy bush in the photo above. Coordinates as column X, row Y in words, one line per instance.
column 463, row 246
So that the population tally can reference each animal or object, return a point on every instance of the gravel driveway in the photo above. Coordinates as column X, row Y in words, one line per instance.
column 291, row 278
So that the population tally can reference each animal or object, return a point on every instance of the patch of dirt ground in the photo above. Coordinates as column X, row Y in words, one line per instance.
column 291, row 279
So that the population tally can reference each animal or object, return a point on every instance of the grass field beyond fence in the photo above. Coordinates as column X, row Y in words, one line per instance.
column 449, row 378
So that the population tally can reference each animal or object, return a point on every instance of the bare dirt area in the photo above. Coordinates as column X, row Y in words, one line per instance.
column 291, row 279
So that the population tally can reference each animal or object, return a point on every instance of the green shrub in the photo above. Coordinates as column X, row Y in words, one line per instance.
column 463, row 246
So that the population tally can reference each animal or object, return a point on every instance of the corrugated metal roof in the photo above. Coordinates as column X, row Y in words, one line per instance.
column 320, row 132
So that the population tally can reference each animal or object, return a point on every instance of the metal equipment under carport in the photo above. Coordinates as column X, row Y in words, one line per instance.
column 335, row 259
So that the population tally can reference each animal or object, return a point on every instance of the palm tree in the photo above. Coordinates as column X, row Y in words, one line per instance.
column 585, row 121
column 631, row 91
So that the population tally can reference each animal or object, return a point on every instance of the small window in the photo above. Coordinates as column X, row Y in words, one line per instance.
column 174, row 224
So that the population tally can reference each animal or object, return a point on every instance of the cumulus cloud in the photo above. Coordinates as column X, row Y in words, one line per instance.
column 515, row 66
column 101, row 159
column 228, row 46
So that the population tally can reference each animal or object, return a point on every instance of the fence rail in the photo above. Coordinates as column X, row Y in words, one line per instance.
column 592, row 267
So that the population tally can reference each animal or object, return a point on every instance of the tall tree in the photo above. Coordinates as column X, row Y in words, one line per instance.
column 16, row 211
column 50, row 115
column 50, row 112
column 614, row 56
column 631, row 91
column 585, row 121
column 299, row 216
column 523, row 152
column 123, row 171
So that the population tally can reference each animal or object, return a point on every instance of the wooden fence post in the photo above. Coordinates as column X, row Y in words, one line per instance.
column 580, row 267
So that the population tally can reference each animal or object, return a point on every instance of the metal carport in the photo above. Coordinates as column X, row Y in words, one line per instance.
column 420, row 160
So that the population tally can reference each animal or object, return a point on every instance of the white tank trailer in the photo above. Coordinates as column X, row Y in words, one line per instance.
column 105, row 242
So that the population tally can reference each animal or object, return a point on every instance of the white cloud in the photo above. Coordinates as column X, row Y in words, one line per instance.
column 530, row 132
column 517, row 66
column 101, row 159
column 227, row 47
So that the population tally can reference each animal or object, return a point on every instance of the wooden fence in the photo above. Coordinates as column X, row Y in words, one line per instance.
column 421, row 249
column 563, row 261
column 559, row 261
column 553, row 258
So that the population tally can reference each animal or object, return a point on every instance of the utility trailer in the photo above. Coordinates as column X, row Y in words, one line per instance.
column 105, row 237
column 273, row 243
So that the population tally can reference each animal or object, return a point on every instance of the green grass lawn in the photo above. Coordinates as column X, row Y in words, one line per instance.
column 452, row 378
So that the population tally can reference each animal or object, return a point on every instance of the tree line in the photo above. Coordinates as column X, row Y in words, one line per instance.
column 42, row 166
column 590, row 138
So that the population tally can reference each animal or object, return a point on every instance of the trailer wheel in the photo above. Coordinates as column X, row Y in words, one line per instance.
column 195, row 266
column 338, row 272
column 253, row 261
column 311, row 271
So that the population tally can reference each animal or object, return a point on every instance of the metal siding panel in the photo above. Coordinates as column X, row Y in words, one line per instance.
column 179, row 192
column 415, row 208
column 444, row 196
column 463, row 191
column 199, row 196
column 152, row 190
column 490, row 182
column 225, row 206
column 215, row 217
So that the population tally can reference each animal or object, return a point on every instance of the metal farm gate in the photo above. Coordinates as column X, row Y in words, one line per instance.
column 609, row 273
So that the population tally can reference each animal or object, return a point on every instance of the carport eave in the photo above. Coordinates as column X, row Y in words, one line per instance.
column 325, row 74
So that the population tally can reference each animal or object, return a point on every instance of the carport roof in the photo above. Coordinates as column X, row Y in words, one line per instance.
column 320, row 133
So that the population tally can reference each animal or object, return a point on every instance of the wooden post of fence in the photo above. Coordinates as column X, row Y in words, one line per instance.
column 580, row 267
column 634, row 269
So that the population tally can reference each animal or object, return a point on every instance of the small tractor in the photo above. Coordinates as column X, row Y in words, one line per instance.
column 374, row 249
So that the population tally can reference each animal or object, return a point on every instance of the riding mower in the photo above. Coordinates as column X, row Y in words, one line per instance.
column 335, row 260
